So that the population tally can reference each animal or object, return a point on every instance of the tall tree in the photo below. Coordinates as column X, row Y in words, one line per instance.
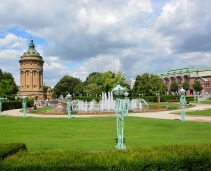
column 186, row 85
column 79, row 89
column 197, row 86
column 149, row 85
column 65, row 85
column 174, row 86
column 8, row 86
column 93, row 89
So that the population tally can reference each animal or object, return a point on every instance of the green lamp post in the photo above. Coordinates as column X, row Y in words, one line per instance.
column 69, row 105
column 1, row 98
column 182, row 103
column 121, row 109
column 24, row 105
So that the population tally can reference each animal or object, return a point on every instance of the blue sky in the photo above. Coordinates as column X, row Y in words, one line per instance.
column 80, row 37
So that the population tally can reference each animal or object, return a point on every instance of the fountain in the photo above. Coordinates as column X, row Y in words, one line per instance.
column 107, row 104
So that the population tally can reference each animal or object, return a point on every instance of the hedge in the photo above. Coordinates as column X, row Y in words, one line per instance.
column 9, row 149
column 8, row 105
column 166, row 157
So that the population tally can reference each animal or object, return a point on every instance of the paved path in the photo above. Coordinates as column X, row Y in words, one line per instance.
column 159, row 115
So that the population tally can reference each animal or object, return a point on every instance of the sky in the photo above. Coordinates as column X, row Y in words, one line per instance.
column 79, row 37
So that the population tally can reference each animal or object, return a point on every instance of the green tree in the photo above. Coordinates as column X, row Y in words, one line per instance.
column 106, row 80
column 65, row 85
column 174, row 86
column 197, row 86
column 79, row 89
column 148, row 85
column 93, row 89
column 8, row 86
column 186, row 85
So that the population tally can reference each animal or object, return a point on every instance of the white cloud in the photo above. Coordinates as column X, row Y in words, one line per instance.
column 133, row 36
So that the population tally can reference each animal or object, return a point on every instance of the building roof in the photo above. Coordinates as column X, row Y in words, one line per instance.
column 183, row 71
column 31, row 52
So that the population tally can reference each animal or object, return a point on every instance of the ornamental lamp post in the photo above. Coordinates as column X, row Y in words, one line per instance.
column 1, row 98
column 121, row 108
column 182, row 103
column 24, row 105
column 69, row 105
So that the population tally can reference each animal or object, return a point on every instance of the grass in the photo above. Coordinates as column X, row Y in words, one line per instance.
column 200, row 112
column 98, row 134
column 202, row 102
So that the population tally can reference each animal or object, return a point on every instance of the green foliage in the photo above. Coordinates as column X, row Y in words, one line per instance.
column 8, row 86
column 98, row 82
column 186, row 85
column 172, row 107
column 35, row 107
column 197, row 86
column 174, row 86
column 79, row 88
column 17, row 104
column 148, row 85
column 11, row 148
column 165, row 157
column 45, row 88
column 65, row 85
column 93, row 89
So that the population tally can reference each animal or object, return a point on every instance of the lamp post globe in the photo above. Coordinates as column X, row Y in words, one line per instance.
column 182, row 91
column 118, row 90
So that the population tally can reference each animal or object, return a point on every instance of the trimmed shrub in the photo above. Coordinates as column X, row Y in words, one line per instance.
column 172, row 107
column 12, row 148
column 165, row 157
column 8, row 105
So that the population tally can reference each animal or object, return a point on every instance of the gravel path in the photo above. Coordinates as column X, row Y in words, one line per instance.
column 159, row 115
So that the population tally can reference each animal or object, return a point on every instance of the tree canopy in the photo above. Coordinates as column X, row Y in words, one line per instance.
column 186, row 85
column 148, row 85
column 197, row 86
column 174, row 86
column 8, row 86
column 65, row 85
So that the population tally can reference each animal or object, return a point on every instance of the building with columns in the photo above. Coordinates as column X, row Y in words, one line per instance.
column 31, row 73
column 203, row 75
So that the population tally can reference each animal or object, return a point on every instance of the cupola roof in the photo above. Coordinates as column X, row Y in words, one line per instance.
column 31, row 52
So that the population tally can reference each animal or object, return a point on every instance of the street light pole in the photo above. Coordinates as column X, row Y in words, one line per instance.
column 121, row 109
column 24, row 106
column 69, row 105
column 182, row 103
column 1, row 98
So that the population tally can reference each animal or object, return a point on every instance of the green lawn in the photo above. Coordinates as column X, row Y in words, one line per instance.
column 200, row 112
column 202, row 102
column 98, row 134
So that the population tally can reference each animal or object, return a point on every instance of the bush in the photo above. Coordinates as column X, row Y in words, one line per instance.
column 8, row 105
column 164, row 157
column 172, row 107
column 35, row 107
column 12, row 148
